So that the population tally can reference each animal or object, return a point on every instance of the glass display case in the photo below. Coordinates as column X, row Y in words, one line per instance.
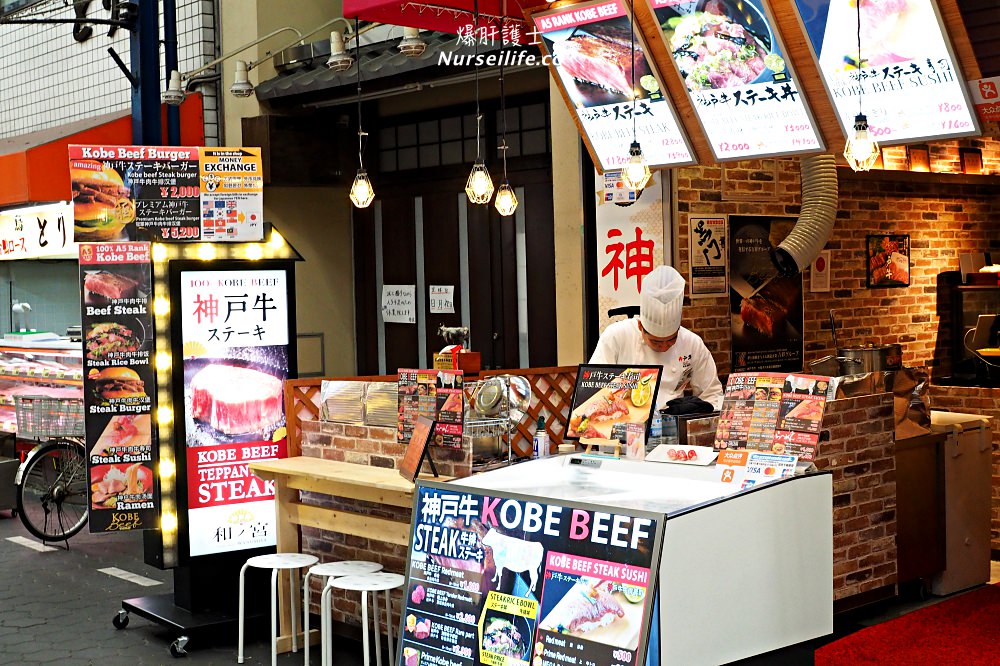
column 52, row 369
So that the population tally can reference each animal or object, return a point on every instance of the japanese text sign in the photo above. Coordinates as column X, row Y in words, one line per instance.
column 232, row 308
column 399, row 303
column 906, row 81
column 593, row 63
column 497, row 579
column 442, row 299
column 709, row 260
column 742, row 88
column 37, row 231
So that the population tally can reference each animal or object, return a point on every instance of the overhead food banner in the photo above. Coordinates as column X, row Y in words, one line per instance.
column 118, row 381
column 500, row 580
column 741, row 86
column 907, row 77
column 591, row 47
column 166, row 193
column 235, row 335
column 36, row 232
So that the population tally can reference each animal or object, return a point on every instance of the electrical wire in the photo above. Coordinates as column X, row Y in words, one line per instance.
column 479, row 115
column 861, row 85
column 631, row 10
column 357, row 59
column 503, row 101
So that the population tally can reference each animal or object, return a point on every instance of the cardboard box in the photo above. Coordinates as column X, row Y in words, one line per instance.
column 468, row 362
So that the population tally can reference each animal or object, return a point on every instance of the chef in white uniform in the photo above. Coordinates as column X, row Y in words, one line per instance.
column 657, row 338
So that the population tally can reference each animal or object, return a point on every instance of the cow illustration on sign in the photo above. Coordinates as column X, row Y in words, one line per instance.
column 518, row 555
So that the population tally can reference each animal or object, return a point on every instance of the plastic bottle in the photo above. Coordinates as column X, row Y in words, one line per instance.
column 670, row 430
column 656, row 427
column 540, row 443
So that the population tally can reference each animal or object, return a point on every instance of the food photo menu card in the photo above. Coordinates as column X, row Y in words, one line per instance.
column 437, row 395
column 775, row 412
column 507, row 581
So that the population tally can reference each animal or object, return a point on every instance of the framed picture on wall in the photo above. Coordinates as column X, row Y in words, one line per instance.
column 888, row 258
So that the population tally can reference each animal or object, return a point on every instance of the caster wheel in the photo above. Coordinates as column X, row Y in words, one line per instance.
column 177, row 647
column 120, row 620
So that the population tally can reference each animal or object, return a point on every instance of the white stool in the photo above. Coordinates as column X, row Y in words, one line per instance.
column 330, row 570
column 374, row 583
column 291, row 562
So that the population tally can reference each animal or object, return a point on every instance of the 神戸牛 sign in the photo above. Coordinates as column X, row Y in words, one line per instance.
column 235, row 341
column 496, row 579
column 905, row 79
column 166, row 193
column 591, row 47
column 117, row 326
column 741, row 86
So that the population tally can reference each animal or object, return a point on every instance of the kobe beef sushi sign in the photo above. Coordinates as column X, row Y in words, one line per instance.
column 235, row 337
column 591, row 48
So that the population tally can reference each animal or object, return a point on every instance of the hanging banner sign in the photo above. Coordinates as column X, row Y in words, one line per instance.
column 906, row 83
column 36, row 232
column 742, row 88
column 117, row 325
column 591, row 47
column 494, row 579
column 708, row 255
column 166, row 193
column 235, row 336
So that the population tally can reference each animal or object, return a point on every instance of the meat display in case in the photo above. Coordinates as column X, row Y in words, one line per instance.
column 51, row 368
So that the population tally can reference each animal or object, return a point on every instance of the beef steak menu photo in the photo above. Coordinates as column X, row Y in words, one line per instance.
column 504, row 580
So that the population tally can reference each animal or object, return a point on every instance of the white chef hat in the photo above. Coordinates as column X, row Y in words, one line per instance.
column 660, row 301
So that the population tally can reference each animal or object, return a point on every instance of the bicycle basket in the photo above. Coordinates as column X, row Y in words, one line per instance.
column 40, row 416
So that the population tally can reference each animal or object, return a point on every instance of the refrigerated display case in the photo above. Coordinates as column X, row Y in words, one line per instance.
column 52, row 369
column 740, row 572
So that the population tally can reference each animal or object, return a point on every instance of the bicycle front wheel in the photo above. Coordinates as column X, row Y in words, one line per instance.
column 54, row 491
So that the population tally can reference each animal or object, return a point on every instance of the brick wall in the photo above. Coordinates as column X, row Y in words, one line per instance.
column 977, row 401
column 363, row 445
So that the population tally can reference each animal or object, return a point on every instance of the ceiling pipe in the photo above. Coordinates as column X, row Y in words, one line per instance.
column 817, row 214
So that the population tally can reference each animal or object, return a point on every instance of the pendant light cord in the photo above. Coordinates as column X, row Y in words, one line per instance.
column 357, row 58
column 479, row 115
column 503, row 100
column 861, row 86
column 631, row 9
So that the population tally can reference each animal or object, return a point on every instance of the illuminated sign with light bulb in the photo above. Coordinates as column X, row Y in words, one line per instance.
column 592, row 46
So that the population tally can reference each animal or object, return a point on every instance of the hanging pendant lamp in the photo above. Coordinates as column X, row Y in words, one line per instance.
column 479, row 186
column 362, row 192
column 636, row 173
column 506, row 200
column 861, row 149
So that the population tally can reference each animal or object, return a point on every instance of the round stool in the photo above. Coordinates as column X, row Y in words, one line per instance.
column 330, row 570
column 291, row 562
column 374, row 583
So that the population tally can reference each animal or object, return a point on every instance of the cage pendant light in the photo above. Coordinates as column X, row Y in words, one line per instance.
column 861, row 149
column 479, row 186
column 362, row 192
column 635, row 173
column 506, row 200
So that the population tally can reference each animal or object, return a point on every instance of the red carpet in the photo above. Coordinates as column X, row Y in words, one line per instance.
column 963, row 630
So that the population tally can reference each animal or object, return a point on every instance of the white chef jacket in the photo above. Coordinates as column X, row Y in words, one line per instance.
column 688, row 361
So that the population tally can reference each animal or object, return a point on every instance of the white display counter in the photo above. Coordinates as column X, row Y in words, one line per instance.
column 741, row 572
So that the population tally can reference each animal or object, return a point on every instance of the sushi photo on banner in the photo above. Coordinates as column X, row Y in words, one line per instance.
column 235, row 342
column 606, row 396
column 765, row 309
column 497, row 578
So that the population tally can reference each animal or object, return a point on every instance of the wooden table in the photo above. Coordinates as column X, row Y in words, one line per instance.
column 338, row 479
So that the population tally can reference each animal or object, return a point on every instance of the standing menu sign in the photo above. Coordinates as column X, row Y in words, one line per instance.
column 503, row 580
column 742, row 88
column 910, row 86
column 590, row 44
column 167, row 193
column 607, row 398
column 117, row 325
column 437, row 395
column 774, row 412
column 235, row 335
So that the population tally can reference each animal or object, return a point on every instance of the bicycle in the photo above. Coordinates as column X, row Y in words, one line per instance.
column 53, row 490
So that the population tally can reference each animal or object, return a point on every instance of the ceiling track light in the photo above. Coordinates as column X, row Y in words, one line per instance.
column 412, row 45
column 861, row 150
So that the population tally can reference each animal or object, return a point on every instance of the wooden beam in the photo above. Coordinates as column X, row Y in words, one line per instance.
column 338, row 489
column 345, row 522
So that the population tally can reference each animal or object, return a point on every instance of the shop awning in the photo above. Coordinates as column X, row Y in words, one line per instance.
column 34, row 167
column 444, row 15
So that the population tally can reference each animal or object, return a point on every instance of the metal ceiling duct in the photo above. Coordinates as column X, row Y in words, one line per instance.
column 816, row 217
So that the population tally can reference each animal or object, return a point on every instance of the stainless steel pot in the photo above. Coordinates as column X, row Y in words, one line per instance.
column 869, row 358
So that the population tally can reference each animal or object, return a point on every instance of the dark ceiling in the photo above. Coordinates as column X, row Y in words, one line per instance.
column 982, row 21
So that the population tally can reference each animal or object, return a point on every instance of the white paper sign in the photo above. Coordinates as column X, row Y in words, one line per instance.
column 399, row 303
column 819, row 277
column 37, row 231
column 442, row 300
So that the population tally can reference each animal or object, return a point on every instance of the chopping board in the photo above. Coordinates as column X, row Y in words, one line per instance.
column 623, row 632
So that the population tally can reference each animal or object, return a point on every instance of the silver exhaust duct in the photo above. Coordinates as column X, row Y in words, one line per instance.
column 816, row 217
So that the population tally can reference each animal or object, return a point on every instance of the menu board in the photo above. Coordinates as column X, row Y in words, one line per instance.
column 775, row 412
column 437, row 395
column 235, row 339
column 741, row 86
column 610, row 396
column 907, row 77
column 117, row 325
column 591, row 48
column 502, row 580
column 167, row 193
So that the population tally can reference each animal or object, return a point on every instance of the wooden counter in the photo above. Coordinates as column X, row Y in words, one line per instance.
column 337, row 479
